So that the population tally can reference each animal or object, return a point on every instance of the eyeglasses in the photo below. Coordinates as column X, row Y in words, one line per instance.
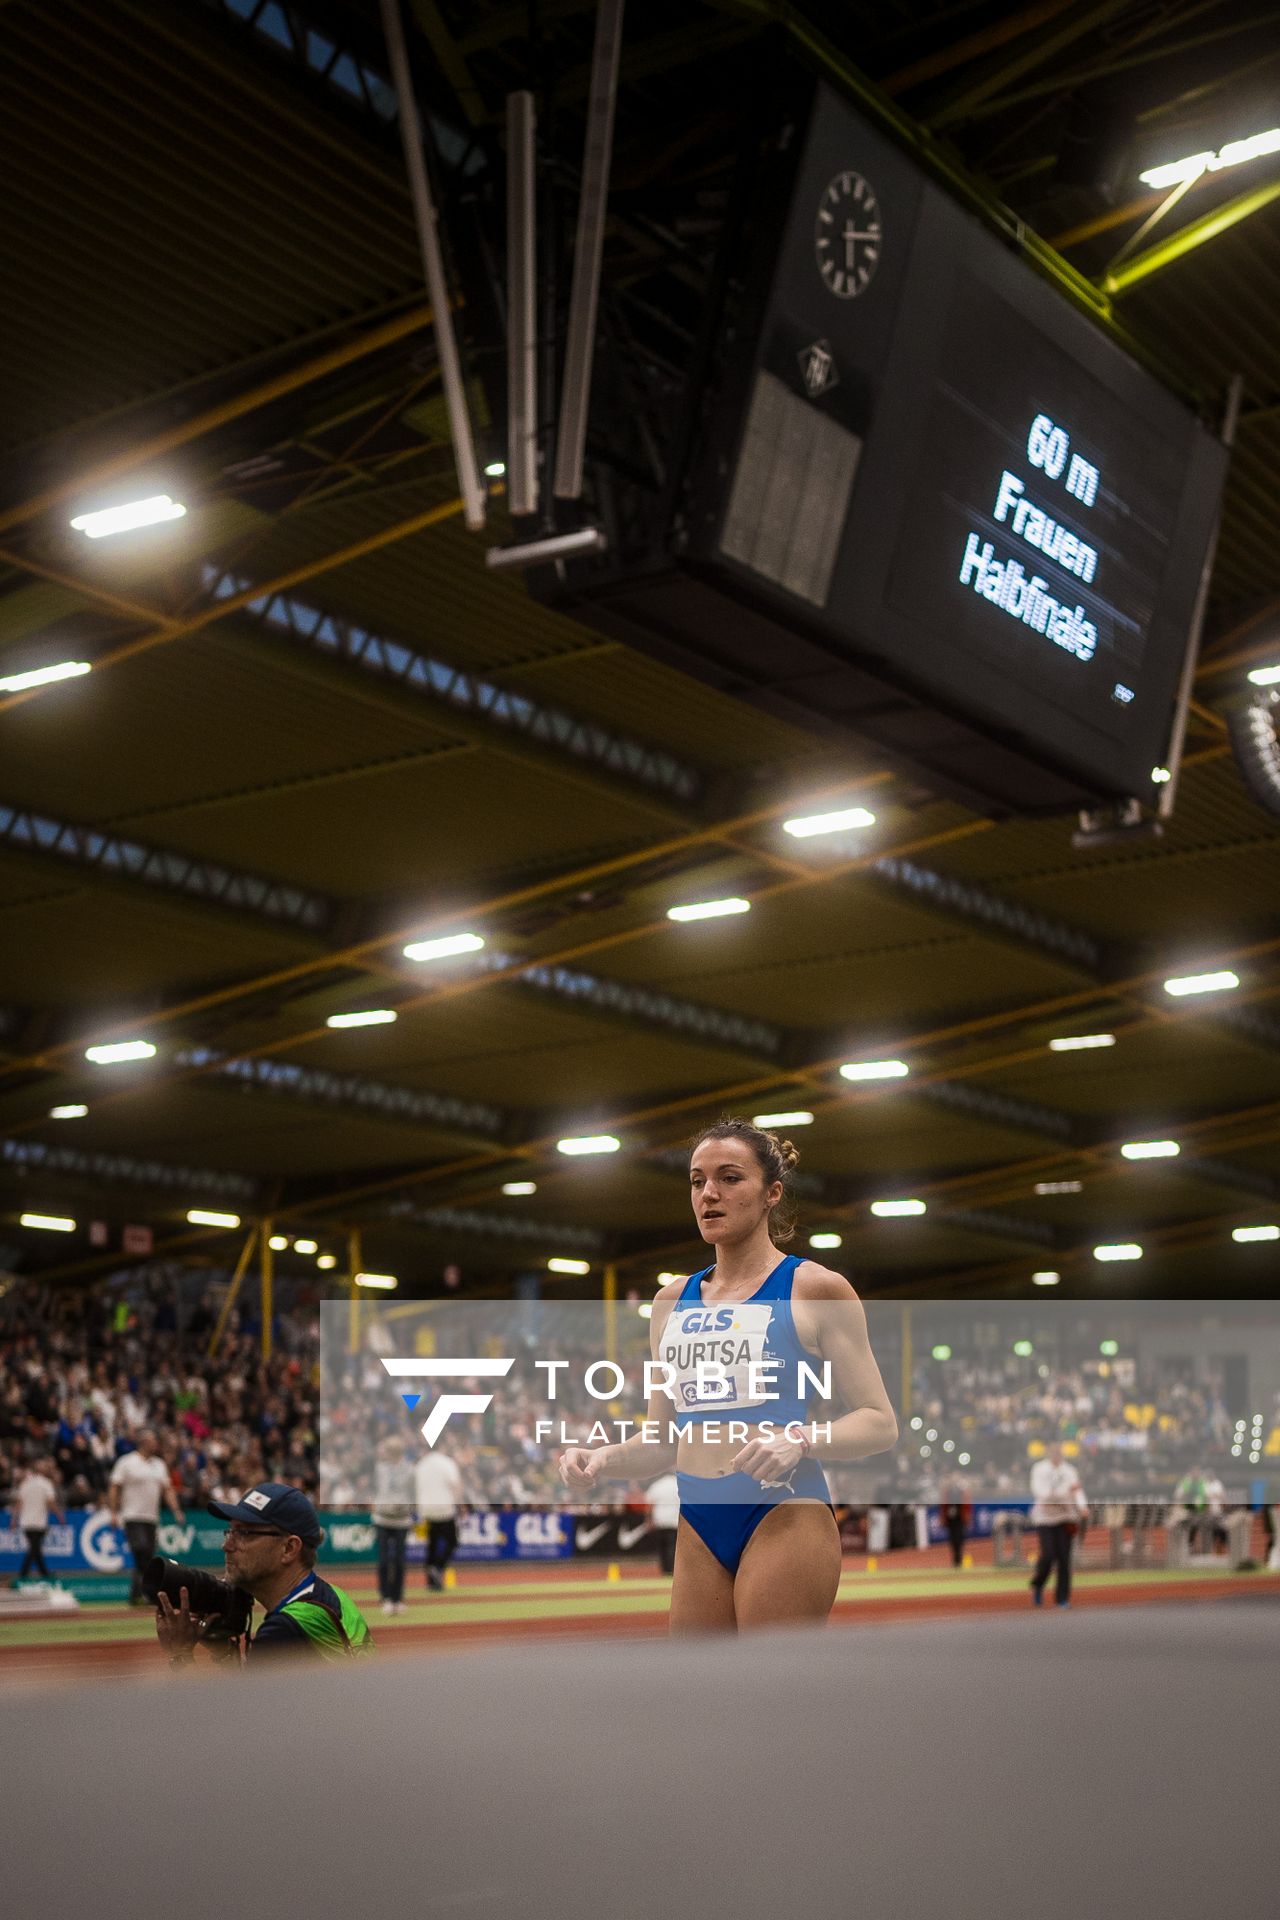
column 255, row 1533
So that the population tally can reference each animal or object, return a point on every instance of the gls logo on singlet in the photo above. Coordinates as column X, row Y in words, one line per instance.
column 710, row 1320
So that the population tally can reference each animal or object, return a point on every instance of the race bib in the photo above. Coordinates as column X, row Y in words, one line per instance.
column 709, row 1353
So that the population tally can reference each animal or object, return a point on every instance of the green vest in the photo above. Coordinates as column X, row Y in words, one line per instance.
column 335, row 1634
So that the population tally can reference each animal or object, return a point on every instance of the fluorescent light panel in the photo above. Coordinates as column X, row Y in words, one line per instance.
column 135, row 513
column 304, row 1246
column 199, row 1217
column 645, row 1309
column 277, row 1243
column 1059, row 1186
column 559, row 1265
column 800, row 1119
column 1265, row 676
column 808, row 826
column 1045, row 1279
column 106, row 1056
column 1081, row 1042
column 892, row 1209
column 520, row 1186
column 373, row 1017
column 874, row 1070
column 43, row 676
column 588, row 1143
column 383, row 1282
column 76, row 1111
column 441, row 949
column 1121, row 1250
column 1150, row 1149
column 327, row 1261
column 708, row 909
column 1183, row 984
column 1234, row 154
column 1244, row 1234
column 47, row 1222
column 825, row 1240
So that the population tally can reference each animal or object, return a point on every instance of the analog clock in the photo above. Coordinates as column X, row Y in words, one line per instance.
column 847, row 235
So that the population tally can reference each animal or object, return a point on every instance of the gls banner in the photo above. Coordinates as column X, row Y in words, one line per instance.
column 507, row 1533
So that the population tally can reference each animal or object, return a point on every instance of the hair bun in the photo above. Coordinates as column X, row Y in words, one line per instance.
column 790, row 1154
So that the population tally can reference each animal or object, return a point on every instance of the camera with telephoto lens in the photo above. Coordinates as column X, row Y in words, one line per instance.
column 227, row 1609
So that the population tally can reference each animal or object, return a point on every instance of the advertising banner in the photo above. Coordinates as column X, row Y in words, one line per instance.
column 89, row 1543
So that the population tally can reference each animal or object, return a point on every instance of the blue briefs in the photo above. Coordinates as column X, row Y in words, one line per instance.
column 724, row 1510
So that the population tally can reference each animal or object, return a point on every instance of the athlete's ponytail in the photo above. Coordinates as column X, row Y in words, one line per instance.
column 776, row 1159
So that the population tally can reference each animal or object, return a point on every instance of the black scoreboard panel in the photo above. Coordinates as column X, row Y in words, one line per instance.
column 931, row 503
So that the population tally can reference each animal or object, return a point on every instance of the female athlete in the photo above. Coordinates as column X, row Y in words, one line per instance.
column 758, row 1543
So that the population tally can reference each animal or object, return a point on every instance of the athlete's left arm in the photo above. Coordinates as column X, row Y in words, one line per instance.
column 830, row 1317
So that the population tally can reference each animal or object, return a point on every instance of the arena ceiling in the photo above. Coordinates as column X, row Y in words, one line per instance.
column 318, row 729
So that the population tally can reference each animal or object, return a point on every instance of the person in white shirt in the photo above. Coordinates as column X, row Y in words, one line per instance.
column 393, row 1491
column 1058, row 1507
column 437, row 1491
column 139, row 1482
column 33, row 1497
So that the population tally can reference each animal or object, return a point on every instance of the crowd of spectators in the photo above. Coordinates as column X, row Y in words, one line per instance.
column 81, row 1376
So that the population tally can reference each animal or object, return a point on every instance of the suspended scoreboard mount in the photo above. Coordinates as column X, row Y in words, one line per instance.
column 926, row 502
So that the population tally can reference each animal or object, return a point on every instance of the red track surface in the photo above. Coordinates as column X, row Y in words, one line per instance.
column 97, row 1659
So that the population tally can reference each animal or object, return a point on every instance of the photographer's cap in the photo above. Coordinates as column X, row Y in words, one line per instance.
column 273, row 1505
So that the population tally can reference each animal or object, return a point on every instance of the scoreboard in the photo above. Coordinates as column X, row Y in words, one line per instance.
column 929, row 502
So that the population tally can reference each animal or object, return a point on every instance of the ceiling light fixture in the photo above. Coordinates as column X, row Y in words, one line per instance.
column 1236, row 152
column 47, row 1222
column 1264, row 676
column 372, row 1017
column 326, row 1262
column 874, row 1070
column 1184, row 984
column 277, row 1243
column 1081, row 1042
column 1121, row 1250
column 1150, row 1149
column 441, row 949
column 1244, row 1234
column 800, row 1119
column 1059, row 1186
column 519, row 1186
column 892, row 1209
column 559, row 1265
column 808, row 826
column 43, row 676
column 76, row 1111
column 826, row 1240
column 708, row 909
column 135, row 513
column 198, row 1217
column 108, row 1056
column 1045, row 1279
column 383, row 1282
column 588, row 1143
column 305, row 1246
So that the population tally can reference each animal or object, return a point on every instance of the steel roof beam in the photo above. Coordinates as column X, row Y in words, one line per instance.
column 474, row 703
column 163, row 870
column 496, row 1226
column 316, row 1087
column 125, row 1170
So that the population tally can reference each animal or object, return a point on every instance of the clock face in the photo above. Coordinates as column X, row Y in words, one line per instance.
column 847, row 235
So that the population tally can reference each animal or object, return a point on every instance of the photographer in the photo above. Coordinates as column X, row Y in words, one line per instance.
column 270, row 1553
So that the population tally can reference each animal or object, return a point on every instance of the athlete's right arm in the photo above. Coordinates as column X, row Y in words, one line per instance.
column 584, row 1469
